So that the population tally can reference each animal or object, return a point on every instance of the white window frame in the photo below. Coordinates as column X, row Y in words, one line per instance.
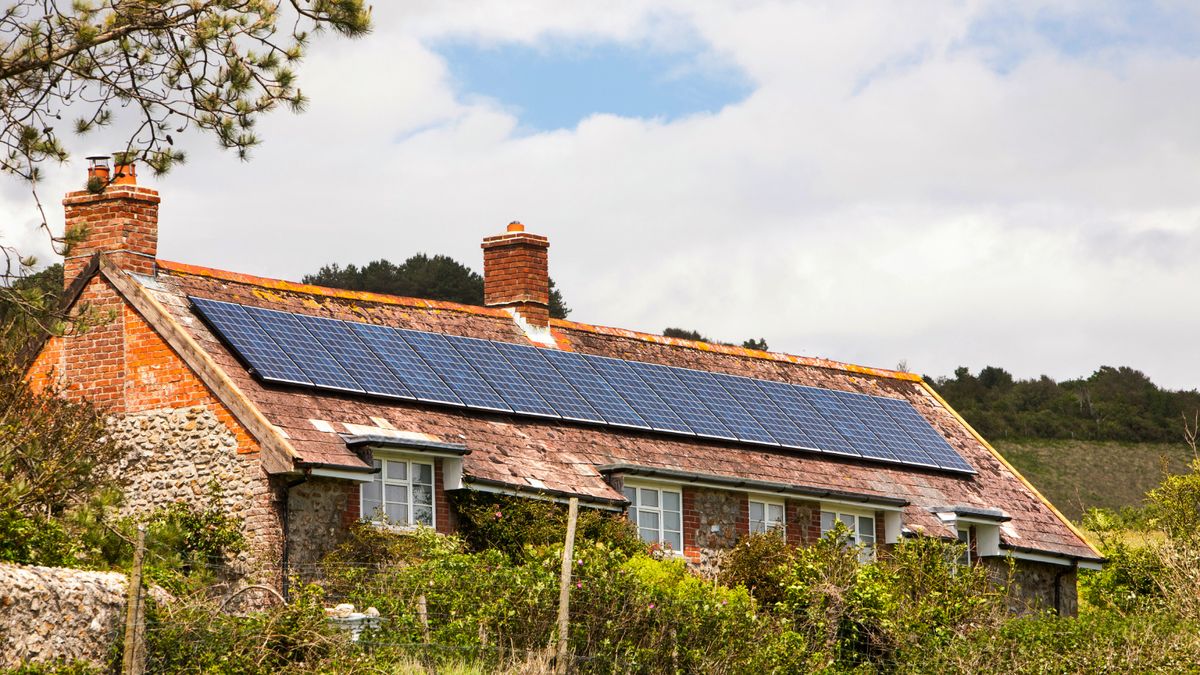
column 857, row 537
column 383, row 481
column 766, row 523
column 633, row 491
column 964, row 537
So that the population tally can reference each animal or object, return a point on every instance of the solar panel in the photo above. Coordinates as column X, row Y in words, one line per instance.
column 298, row 349
column 303, row 349
column 546, row 380
column 666, row 385
column 444, row 360
column 340, row 341
column 849, row 426
column 595, row 390
column 885, row 429
column 756, row 403
column 923, row 433
column 249, row 341
column 500, row 374
column 791, row 401
column 731, row 413
column 637, row 394
column 404, row 363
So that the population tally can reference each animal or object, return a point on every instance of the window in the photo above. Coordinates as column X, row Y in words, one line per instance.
column 765, row 516
column 658, row 514
column 400, row 494
column 964, row 537
column 860, row 526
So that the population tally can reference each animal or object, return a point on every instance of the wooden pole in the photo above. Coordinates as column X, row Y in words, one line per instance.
column 134, row 661
column 564, row 588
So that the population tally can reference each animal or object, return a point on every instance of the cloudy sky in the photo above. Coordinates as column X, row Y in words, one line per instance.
column 959, row 183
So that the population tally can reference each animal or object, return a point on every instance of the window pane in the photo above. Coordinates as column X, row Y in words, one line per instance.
column 756, row 512
column 397, row 513
column 649, row 536
column 649, row 497
column 827, row 518
column 866, row 527
column 370, row 508
column 775, row 514
column 370, row 491
column 630, row 494
column 423, row 515
column 395, row 494
column 670, row 521
column 396, row 470
column 378, row 464
column 423, row 474
column 422, row 494
column 648, row 519
column 674, row 539
column 848, row 520
column 670, row 500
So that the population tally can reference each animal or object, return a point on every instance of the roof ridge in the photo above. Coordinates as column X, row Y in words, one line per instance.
column 732, row 350
column 383, row 298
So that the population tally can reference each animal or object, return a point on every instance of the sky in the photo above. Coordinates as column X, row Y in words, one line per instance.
column 939, row 184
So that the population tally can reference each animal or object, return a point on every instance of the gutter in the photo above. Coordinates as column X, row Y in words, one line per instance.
column 751, row 484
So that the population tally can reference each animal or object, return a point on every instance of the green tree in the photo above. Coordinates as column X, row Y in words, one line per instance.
column 438, row 277
column 157, row 67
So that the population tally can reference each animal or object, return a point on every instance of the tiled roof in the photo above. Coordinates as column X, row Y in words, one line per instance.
column 565, row 457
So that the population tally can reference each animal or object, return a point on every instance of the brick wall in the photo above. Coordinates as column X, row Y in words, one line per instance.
column 713, row 521
column 123, row 220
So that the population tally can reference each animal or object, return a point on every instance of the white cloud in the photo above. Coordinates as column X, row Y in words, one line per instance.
column 884, row 194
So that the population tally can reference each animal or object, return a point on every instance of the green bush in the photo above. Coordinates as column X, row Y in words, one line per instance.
column 758, row 563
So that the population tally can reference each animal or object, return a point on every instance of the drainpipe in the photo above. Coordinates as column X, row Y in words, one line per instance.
column 287, row 508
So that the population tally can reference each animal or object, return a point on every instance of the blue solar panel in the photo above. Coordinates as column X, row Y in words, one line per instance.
column 481, row 374
column 303, row 349
column 444, row 360
column 779, row 425
column 791, row 401
column 595, row 390
column 847, row 424
column 885, row 429
column 404, row 363
column 362, row 364
column 499, row 373
column 923, row 433
column 545, row 379
column 667, row 386
column 731, row 413
column 637, row 394
column 250, row 341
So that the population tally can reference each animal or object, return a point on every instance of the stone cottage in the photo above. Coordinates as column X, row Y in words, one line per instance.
column 312, row 408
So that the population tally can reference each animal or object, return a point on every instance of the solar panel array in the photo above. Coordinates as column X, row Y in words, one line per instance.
column 503, row 377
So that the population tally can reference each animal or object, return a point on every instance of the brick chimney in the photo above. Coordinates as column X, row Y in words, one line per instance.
column 516, row 274
column 120, row 219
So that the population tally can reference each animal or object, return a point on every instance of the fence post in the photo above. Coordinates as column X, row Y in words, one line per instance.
column 134, row 661
column 564, row 588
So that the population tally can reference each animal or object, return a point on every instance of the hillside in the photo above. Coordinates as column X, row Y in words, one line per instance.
column 1078, row 475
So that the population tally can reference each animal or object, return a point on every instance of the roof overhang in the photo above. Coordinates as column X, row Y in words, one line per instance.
column 360, row 442
column 971, row 514
column 752, row 485
column 548, row 494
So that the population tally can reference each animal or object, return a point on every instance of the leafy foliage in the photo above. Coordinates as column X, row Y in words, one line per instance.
column 436, row 278
column 1119, row 404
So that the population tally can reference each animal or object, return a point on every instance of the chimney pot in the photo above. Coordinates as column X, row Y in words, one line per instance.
column 516, row 226
column 126, row 174
column 98, row 167
column 117, row 218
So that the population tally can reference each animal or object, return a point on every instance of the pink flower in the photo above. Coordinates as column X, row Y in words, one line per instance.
column 652, row 605
column 499, row 515
column 579, row 584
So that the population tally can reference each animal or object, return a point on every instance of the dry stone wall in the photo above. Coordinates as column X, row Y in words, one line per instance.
column 189, row 454
column 49, row 613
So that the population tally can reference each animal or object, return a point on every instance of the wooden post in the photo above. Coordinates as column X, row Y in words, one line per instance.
column 564, row 589
column 423, row 615
column 134, row 661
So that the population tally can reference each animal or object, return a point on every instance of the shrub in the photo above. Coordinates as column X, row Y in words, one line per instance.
column 758, row 563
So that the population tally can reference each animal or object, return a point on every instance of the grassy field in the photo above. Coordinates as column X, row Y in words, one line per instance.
column 1078, row 475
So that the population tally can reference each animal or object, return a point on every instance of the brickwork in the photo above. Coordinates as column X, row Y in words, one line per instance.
column 122, row 220
column 803, row 524
column 516, row 274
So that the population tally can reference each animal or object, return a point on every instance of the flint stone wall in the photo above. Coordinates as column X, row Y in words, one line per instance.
column 50, row 613
column 189, row 454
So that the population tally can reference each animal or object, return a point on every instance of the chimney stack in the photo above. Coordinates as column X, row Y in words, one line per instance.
column 516, row 274
column 118, row 217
